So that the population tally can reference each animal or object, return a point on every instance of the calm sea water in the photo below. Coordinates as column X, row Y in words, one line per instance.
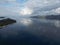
column 31, row 31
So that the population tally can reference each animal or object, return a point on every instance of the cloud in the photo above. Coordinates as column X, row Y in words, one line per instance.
column 41, row 3
column 9, row 7
column 57, row 10
column 7, row 1
column 5, row 11
column 42, row 7
column 39, row 7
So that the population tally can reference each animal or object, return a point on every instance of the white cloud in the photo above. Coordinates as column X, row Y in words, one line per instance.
column 7, row 1
column 38, row 6
column 57, row 10
column 8, row 11
column 41, row 3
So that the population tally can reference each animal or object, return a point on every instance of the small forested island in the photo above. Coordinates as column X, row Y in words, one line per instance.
column 6, row 21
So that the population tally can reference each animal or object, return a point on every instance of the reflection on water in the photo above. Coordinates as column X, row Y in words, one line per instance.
column 57, row 23
column 53, row 22
column 30, row 31
column 26, row 21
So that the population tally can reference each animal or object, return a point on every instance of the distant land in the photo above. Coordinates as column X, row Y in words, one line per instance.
column 54, row 17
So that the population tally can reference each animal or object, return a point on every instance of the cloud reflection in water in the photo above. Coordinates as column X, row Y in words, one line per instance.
column 26, row 22
column 57, row 23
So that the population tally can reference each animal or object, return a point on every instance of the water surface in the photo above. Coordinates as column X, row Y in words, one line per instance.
column 31, row 31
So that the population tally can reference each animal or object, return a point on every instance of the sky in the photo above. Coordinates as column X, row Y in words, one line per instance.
column 34, row 7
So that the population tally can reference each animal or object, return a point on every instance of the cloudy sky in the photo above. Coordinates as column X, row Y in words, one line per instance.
column 29, row 7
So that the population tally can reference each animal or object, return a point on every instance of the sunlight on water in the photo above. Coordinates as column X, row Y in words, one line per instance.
column 57, row 23
column 26, row 22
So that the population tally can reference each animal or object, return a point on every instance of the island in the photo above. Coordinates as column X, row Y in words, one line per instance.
column 6, row 21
